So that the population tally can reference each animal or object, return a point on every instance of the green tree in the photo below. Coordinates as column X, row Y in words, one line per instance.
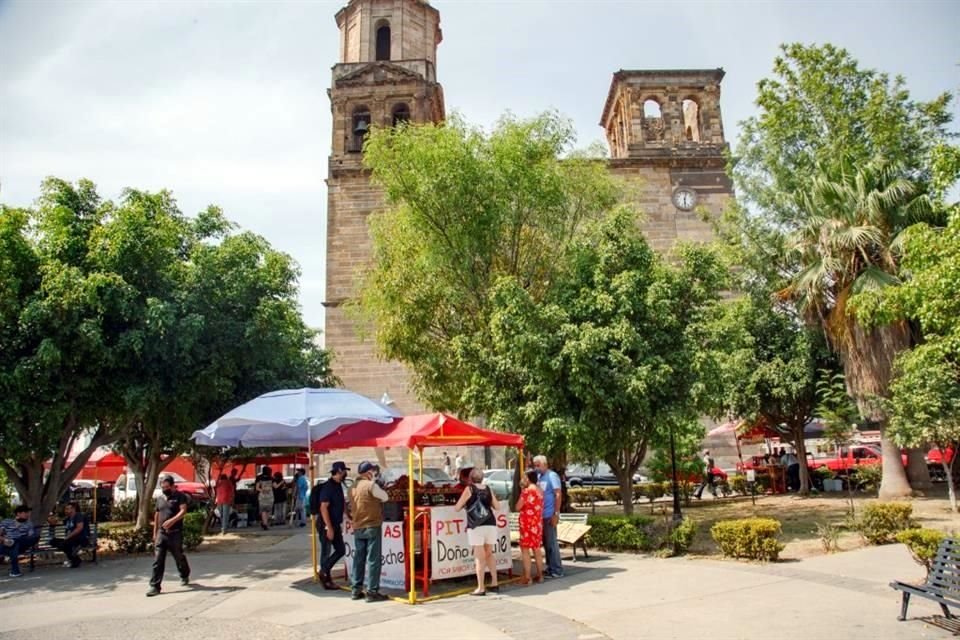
column 64, row 327
column 464, row 209
column 815, row 165
column 606, row 361
column 769, row 368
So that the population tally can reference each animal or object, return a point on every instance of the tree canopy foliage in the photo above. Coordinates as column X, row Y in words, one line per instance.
column 134, row 323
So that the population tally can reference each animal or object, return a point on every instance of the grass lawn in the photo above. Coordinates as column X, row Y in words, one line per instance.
column 799, row 517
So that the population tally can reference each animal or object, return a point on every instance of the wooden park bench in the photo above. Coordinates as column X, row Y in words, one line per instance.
column 942, row 584
column 44, row 550
column 572, row 530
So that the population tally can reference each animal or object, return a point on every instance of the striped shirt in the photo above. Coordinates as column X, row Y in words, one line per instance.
column 14, row 529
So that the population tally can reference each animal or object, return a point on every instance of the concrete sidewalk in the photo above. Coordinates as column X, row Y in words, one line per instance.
column 270, row 594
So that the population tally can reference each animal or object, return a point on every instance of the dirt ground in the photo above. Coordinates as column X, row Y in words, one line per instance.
column 799, row 517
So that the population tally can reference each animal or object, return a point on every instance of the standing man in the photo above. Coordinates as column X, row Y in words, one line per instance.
column 224, row 499
column 300, row 503
column 791, row 464
column 77, row 534
column 17, row 536
column 549, row 483
column 458, row 464
column 331, row 507
column 168, row 534
column 366, row 501
column 708, row 465
column 446, row 463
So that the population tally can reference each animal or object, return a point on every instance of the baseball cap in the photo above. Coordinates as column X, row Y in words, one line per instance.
column 366, row 466
column 169, row 479
column 339, row 465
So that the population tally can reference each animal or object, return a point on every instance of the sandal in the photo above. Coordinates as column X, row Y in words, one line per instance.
column 524, row 581
column 478, row 593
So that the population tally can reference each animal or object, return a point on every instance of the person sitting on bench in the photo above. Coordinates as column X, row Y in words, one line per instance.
column 17, row 536
column 77, row 534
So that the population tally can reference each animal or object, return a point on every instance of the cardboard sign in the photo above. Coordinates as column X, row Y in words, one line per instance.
column 571, row 532
column 451, row 555
column 392, row 555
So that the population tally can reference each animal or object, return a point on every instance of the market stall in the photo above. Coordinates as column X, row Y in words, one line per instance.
column 420, row 520
column 760, row 466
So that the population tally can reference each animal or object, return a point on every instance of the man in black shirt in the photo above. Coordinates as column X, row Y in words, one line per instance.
column 330, row 507
column 77, row 534
column 168, row 534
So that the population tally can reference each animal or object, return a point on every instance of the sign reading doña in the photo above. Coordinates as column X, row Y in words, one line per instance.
column 451, row 553
column 392, row 555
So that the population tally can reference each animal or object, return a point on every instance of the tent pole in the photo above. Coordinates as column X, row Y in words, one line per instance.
column 520, row 460
column 410, row 518
column 95, row 469
column 313, row 520
column 420, row 462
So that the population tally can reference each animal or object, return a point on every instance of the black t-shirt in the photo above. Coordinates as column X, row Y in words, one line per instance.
column 71, row 523
column 169, row 506
column 279, row 495
column 331, row 492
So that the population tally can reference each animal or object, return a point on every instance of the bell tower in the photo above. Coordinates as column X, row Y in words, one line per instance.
column 386, row 74
column 665, row 133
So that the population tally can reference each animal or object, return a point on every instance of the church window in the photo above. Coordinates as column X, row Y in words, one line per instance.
column 691, row 120
column 383, row 41
column 401, row 113
column 651, row 109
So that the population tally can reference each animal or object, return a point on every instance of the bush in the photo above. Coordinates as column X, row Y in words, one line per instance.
column 682, row 535
column 610, row 494
column 193, row 529
column 753, row 538
column 124, row 510
column 738, row 484
column 651, row 491
column 829, row 534
column 922, row 543
column 130, row 539
column 868, row 476
column 882, row 521
column 584, row 496
column 620, row 533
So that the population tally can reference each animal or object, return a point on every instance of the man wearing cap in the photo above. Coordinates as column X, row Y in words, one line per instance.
column 168, row 534
column 330, row 507
column 366, row 502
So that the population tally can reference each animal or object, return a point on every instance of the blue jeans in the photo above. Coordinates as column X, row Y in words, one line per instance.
column 224, row 511
column 22, row 545
column 366, row 555
column 552, row 548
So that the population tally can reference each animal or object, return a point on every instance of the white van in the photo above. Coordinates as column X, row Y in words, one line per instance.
column 126, row 487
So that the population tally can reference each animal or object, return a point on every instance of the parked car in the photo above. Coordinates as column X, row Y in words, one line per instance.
column 598, row 475
column 500, row 482
column 125, row 487
column 431, row 475
column 935, row 464
column 849, row 458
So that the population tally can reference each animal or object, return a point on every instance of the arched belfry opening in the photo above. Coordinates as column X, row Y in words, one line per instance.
column 401, row 114
column 383, row 40
column 691, row 120
column 359, row 128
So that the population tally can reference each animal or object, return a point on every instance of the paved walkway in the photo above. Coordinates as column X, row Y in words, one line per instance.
column 270, row 595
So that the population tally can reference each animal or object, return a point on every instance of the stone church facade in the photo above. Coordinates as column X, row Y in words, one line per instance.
column 663, row 127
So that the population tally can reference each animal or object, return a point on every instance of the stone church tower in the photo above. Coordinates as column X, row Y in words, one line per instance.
column 663, row 128
column 665, row 133
column 386, row 73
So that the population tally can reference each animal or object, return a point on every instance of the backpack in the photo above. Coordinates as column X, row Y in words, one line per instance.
column 478, row 514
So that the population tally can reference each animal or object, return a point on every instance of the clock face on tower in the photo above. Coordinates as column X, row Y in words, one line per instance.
column 685, row 198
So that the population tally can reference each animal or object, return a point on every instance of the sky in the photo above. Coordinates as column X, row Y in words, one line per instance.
column 225, row 103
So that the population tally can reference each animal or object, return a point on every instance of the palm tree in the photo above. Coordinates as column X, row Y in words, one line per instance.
column 850, row 243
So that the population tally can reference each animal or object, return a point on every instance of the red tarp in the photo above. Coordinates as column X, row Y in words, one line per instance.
column 428, row 430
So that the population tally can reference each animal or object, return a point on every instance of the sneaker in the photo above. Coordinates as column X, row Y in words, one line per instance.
column 375, row 596
column 154, row 591
column 356, row 595
column 67, row 563
column 16, row 574
column 185, row 581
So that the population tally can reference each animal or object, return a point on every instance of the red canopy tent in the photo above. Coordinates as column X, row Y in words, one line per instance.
column 416, row 432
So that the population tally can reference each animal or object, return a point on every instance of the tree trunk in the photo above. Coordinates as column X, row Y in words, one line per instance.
column 626, row 491
column 868, row 367
column 917, row 471
column 893, row 482
column 951, row 487
column 801, row 446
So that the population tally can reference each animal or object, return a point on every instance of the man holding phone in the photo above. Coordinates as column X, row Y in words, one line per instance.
column 331, row 510
column 168, row 534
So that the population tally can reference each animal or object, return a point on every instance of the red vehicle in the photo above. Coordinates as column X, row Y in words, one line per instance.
column 719, row 475
column 850, row 458
column 935, row 464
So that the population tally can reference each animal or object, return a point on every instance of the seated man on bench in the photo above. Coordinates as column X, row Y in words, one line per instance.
column 17, row 536
column 77, row 534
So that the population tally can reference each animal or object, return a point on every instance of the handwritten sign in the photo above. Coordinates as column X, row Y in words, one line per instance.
column 392, row 555
column 451, row 553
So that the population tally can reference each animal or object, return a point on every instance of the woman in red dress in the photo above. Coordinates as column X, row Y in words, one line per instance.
column 530, row 508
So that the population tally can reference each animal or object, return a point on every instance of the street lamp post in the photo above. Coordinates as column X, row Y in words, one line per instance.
column 677, row 515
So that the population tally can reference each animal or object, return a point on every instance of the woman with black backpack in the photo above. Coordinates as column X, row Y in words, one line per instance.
column 481, row 506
